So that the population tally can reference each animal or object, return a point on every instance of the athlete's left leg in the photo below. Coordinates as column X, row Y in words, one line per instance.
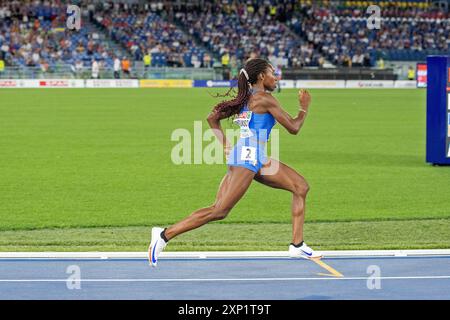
column 280, row 176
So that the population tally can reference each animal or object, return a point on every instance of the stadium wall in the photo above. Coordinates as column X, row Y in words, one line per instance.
column 177, row 83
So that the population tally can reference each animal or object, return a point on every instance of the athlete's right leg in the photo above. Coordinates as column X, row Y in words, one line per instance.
column 233, row 186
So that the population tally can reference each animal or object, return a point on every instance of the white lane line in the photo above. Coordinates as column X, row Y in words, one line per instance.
column 220, row 254
column 225, row 279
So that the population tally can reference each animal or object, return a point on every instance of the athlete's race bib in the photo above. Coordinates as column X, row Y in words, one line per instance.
column 248, row 154
column 243, row 120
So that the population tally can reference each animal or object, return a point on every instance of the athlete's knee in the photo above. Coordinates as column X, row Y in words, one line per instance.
column 300, row 187
column 220, row 212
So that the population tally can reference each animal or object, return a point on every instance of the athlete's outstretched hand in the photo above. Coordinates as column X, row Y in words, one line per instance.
column 304, row 99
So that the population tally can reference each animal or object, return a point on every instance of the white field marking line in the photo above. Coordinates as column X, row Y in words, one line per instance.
column 225, row 279
column 219, row 254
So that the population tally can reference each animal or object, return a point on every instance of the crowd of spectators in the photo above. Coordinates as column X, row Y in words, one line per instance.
column 143, row 30
column 342, row 35
column 289, row 33
column 241, row 29
column 34, row 34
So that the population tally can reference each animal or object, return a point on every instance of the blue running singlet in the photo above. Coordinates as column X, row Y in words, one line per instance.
column 250, row 150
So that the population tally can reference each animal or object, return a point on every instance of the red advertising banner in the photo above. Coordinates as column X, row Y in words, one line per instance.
column 421, row 77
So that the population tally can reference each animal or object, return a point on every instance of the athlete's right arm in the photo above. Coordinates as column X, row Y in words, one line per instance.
column 214, row 122
column 292, row 125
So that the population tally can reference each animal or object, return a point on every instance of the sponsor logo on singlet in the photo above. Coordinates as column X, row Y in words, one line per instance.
column 243, row 120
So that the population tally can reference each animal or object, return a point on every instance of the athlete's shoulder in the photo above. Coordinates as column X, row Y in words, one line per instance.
column 268, row 100
column 265, row 102
column 263, row 96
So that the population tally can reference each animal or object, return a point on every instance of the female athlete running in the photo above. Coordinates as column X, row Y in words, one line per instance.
column 256, row 111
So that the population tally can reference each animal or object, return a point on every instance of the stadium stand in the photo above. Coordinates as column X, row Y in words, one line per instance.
column 198, row 34
column 239, row 29
column 409, row 31
column 323, row 31
column 34, row 34
column 142, row 31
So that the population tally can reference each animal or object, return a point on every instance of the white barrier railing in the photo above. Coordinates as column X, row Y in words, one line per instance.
column 174, row 83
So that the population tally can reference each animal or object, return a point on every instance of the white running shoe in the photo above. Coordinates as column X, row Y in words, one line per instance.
column 303, row 252
column 157, row 245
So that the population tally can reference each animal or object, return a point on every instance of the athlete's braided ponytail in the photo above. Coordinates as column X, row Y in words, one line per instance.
column 247, row 77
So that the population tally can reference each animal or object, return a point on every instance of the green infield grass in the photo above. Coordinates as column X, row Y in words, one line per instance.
column 84, row 169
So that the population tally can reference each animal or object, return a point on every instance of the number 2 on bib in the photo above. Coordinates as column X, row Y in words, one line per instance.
column 248, row 153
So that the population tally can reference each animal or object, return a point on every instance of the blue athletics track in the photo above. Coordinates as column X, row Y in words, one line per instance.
column 203, row 276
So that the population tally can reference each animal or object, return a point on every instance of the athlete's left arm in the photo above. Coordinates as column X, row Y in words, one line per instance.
column 292, row 125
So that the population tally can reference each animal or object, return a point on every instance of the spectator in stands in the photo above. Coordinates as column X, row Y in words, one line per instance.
column 78, row 68
column 225, row 59
column 273, row 11
column 147, row 61
column 233, row 68
column 253, row 55
column 380, row 63
column 2, row 66
column 4, row 48
column 358, row 59
column 347, row 61
column 175, row 60
column 366, row 61
column 36, row 58
column 195, row 61
column 207, row 61
column 411, row 73
column 225, row 65
column 279, row 75
column 95, row 69
column 44, row 66
column 126, row 69
column 116, row 67
column 321, row 61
